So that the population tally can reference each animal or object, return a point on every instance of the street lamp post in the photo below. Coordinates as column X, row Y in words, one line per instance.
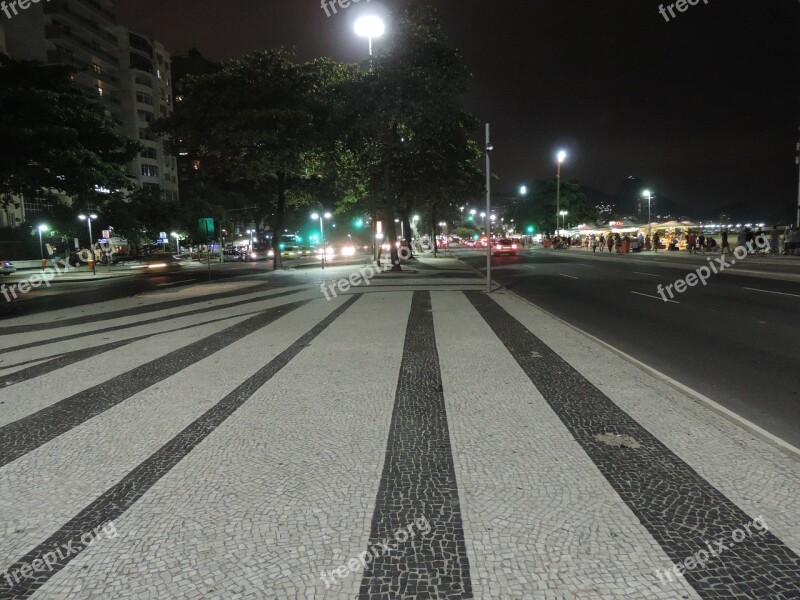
column 370, row 27
column 562, row 156
column 88, row 219
column 177, row 243
column 649, row 197
column 489, row 148
column 42, row 228
column 563, row 214
column 319, row 216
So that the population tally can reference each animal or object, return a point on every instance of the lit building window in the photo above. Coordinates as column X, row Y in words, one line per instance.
column 196, row 165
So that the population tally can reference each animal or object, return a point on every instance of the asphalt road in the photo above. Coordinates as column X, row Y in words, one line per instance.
column 735, row 340
column 64, row 292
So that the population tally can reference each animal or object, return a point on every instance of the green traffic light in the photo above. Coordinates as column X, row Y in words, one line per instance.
column 530, row 229
column 359, row 223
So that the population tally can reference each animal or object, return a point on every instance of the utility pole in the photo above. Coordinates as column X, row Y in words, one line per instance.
column 489, row 148
column 798, row 185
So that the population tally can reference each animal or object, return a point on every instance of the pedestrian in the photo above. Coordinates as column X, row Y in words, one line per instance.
column 610, row 243
column 593, row 243
column 701, row 243
column 602, row 242
column 618, row 242
column 656, row 242
column 725, row 244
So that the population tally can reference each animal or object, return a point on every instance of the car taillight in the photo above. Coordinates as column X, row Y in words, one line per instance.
column 513, row 246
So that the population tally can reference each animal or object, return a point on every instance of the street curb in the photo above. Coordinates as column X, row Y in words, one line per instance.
column 728, row 414
column 782, row 445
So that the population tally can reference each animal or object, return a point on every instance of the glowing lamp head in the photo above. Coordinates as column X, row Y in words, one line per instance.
column 370, row 27
column 562, row 156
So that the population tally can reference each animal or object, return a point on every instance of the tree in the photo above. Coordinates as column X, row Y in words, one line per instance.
column 405, row 114
column 258, row 121
column 141, row 216
column 538, row 209
column 55, row 137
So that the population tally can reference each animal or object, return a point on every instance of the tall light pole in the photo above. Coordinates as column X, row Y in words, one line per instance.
column 319, row 216
column 798, row 187
column 177, row 242
column 370, row 27
column 89, row 218
column 647, row 194
column 489, row 148
column 562, row 156
column 563, row 214
column 42, row 228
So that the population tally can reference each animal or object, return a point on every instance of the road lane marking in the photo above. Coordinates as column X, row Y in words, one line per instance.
column 771, row 292
column 175, row 282
column 570, row 276
column 655, row 297
column 648, row 274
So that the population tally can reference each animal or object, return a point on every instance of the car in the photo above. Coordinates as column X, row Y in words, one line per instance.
column 505, row 246
column 6, row 268
column 158, row 262
column 235, row 255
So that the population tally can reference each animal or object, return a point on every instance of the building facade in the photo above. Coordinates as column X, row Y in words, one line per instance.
column 126, row 71
column 147, row 96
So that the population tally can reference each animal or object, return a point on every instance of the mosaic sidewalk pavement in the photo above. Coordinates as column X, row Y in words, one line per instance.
column 414, row 438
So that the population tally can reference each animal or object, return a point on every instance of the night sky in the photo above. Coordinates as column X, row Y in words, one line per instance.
column 704, row 109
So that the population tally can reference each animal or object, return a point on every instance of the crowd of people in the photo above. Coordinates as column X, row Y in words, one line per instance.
column 695, row 243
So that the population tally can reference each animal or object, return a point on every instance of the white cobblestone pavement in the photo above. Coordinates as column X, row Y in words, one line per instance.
column 268, row 420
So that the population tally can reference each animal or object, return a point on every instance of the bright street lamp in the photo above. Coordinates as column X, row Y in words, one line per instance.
column 42, row 228
column 89, row 219
column 649, row 197
column 562, row 156
column 523, row 190
column 563, row 214
column 370, row 27
column 315, row 216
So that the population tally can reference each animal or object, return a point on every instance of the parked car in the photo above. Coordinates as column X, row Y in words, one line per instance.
column 505, row 246
column 6, row 268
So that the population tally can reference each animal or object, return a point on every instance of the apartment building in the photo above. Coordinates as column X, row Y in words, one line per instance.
column 146, row 96
column 128, row 72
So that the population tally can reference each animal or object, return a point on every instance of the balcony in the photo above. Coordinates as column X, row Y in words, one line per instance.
column 57, row 31
column 63, row 9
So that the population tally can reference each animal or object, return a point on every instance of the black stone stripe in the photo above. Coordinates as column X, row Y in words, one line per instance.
column 418, row 481
column 59, row 361
column 679, row 508
column 199, row 311
column 119, row 498
column 129, row 312
column 27, row 434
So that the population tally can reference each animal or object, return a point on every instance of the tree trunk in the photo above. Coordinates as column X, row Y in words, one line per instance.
column 391, row 234
column 277, row 225
column 409, row 233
